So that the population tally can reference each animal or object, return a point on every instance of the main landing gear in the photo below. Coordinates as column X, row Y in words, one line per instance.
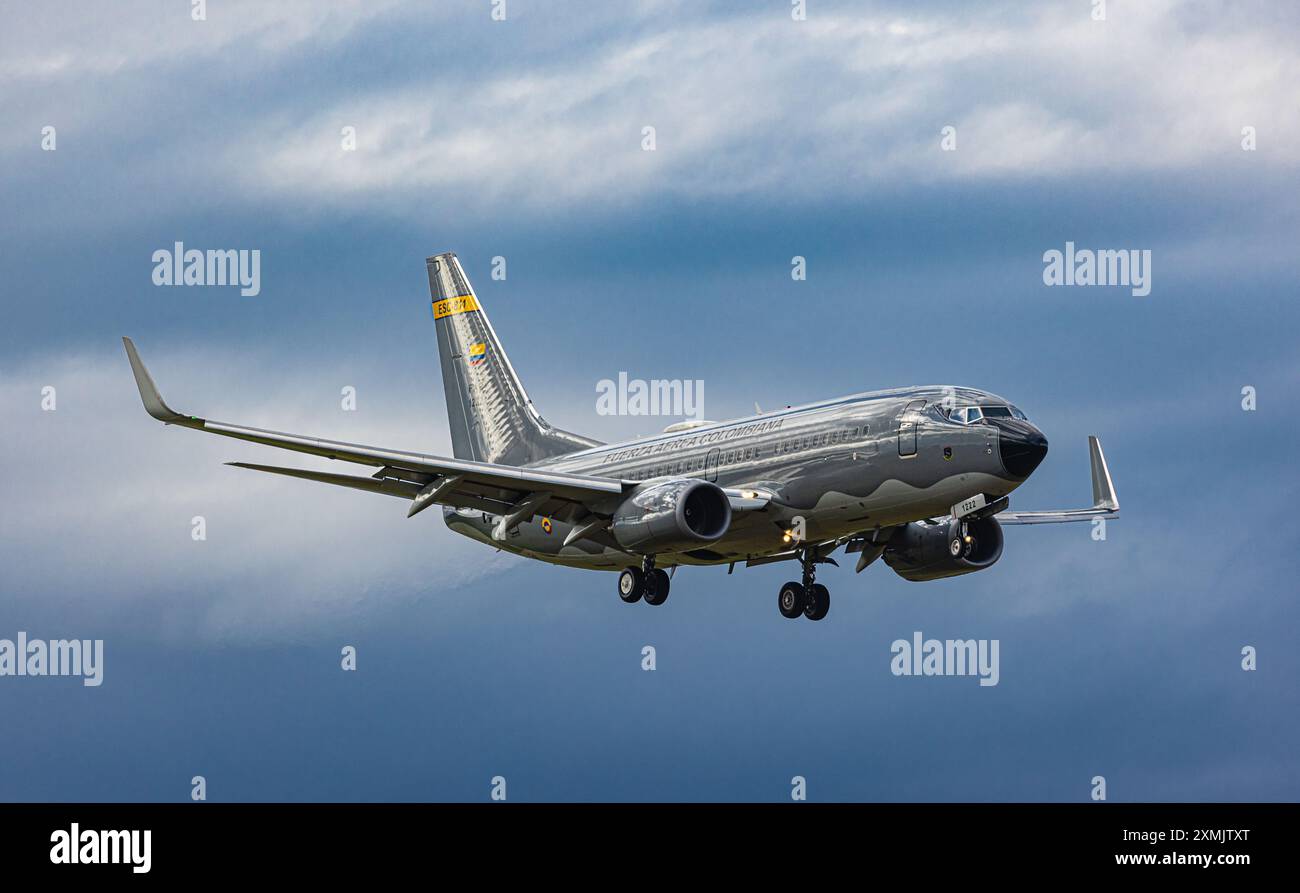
column 648, row 582
column 809, row 598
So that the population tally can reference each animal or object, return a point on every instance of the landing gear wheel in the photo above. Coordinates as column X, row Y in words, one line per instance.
column 817, row 603
column 656, row 587
column 631, row 585
column 955, row 547
column 790, row 600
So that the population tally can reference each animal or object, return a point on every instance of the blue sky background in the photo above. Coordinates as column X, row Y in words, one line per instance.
column 523, row 139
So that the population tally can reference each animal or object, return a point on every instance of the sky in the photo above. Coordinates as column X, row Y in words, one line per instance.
column 524, row 139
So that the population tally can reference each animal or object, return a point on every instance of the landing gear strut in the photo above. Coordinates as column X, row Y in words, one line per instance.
column 648, row 582
column 958, row 544
column 963, row 542
column 809, row 598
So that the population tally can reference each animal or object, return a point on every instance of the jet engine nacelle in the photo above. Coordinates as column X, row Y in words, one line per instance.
column 920, row 551
column 671, row 516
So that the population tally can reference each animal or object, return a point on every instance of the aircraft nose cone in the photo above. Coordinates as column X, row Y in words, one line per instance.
column 1023, row 447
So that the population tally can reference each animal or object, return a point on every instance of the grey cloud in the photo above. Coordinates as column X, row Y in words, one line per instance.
column 99, row 502
column 842, row 104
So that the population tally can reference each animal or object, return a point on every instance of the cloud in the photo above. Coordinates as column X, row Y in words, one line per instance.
column 100, row 499
column 95, row 40
column 840, row 102
column 546, row 110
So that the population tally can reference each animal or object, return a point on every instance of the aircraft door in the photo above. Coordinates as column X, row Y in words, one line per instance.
column 908, row 420
column 711, row 464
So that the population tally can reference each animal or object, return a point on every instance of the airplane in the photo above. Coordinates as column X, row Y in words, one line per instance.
column 919, row 477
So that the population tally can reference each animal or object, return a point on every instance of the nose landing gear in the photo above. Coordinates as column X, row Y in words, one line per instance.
column 809, row 598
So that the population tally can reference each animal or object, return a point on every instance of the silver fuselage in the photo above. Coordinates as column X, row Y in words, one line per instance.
column 843, row 466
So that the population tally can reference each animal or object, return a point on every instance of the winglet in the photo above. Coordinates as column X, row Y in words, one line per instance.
column 1105, row 504
column 153, row 401
column 1103, row 488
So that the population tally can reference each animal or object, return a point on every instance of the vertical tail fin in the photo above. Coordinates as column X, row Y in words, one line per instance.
column 491, row 417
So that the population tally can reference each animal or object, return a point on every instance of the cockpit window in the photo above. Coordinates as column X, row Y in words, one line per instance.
column 965, row 415
column 1003, row 412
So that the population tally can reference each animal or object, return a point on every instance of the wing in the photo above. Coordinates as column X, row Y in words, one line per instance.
column 514, row 493
column 1105, row 504
column 499, row 489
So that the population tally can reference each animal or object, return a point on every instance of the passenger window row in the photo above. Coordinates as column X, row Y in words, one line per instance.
column 695, row 464
column 850, row 434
